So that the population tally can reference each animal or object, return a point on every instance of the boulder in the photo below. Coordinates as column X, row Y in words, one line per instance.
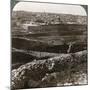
column 35, row 71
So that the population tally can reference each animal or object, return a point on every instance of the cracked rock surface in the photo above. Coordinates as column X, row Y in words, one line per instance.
column 65, row 69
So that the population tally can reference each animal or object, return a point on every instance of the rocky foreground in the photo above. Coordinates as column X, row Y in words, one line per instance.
column 64, row 69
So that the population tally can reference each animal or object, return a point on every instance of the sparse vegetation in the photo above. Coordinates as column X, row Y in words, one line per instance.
column 54, row 50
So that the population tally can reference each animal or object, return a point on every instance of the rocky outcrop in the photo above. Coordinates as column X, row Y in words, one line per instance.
column 33, row 74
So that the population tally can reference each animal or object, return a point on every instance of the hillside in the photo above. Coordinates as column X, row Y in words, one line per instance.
column 51, row 46
column 48, row 17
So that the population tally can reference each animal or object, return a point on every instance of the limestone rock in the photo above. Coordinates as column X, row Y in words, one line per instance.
column 35, row 71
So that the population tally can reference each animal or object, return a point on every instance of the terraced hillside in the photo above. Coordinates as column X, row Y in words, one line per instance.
column 56, row 53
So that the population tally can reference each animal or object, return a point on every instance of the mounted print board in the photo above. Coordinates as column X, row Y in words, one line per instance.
column 49, row 44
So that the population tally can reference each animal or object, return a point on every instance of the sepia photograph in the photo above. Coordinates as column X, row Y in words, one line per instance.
column 48, row 45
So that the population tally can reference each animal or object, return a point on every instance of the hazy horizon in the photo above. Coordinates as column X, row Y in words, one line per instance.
column 50, row 8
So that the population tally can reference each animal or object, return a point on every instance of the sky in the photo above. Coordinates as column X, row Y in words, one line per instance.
column 51, row 8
